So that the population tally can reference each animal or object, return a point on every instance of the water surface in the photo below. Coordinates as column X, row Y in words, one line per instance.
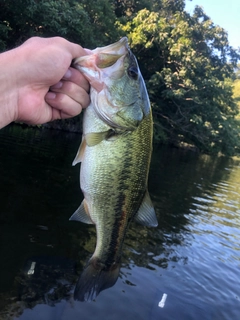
column 193, row 256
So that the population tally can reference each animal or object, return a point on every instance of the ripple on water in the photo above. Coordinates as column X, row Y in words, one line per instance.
column 193, row 256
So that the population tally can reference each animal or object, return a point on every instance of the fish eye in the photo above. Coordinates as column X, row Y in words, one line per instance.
column 133, row 72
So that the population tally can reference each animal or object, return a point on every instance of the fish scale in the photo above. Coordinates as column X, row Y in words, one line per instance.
column 115, row 156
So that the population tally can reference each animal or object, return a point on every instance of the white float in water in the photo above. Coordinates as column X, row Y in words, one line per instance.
column 163, row 300
column 31, row 270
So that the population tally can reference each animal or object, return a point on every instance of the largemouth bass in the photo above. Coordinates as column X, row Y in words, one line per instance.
column 115, row 155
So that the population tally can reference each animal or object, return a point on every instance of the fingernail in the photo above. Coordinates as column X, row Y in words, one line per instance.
column 57, row 85
column 50, row 95
column 68, row 74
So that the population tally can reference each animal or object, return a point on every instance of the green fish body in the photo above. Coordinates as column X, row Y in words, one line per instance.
column 115, row 156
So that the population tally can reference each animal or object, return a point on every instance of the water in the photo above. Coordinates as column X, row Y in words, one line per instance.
column 193, row 256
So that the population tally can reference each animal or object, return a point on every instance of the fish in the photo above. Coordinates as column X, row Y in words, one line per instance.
column 115, row 154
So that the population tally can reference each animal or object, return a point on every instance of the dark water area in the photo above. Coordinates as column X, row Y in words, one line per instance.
column 192, row 258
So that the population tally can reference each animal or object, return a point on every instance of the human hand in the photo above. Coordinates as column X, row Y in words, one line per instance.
column 43, row 85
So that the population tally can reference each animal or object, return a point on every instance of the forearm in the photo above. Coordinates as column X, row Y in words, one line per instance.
column 8, row 87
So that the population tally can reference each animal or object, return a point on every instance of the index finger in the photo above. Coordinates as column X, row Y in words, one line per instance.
column 75, row 49
column 76, row 76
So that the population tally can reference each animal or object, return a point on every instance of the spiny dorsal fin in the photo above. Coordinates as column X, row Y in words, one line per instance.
column 82, row 214
column 146, row 214
column 80, row 152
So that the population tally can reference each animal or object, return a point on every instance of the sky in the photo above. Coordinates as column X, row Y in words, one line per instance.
column 225, row 13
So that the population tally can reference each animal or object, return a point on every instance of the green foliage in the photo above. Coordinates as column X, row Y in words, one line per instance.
column 188, row 64
column 236, row 94
column 237, row 72
column 186, row 60
column 85, row 22
column 102, row 19
column 127, row 8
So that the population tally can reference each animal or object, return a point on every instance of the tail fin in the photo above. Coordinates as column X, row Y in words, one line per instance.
column 95, row 278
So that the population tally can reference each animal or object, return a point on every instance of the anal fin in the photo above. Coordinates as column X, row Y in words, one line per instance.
column 146, row 214
column 82, row 214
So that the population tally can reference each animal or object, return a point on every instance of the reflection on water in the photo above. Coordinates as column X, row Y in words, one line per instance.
column 193, row 256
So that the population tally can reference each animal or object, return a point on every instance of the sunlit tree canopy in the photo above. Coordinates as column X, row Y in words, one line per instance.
column 186, row 60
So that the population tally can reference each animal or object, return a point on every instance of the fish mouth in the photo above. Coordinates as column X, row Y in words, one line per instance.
column 103, row 57
column 120, row 47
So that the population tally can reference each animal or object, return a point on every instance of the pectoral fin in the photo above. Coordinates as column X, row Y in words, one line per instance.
column 94, row 138
column 91, row 139
column 146, row 214
column 82, row 214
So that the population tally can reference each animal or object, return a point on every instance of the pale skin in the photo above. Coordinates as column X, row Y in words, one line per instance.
column 37, row 84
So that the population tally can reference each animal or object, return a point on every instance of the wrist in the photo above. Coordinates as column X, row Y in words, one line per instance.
column 8, row 87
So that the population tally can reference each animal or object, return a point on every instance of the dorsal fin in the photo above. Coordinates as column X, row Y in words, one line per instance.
column 82, row 214
column 146, row 214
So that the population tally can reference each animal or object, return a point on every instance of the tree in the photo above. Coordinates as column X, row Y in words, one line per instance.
column 89, row 23
column 237, row 72
column 102, row 18
column 127, row 8
column 236, row 94
column 187, row 63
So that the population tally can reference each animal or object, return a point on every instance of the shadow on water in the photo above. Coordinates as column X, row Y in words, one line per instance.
column 42, row 253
